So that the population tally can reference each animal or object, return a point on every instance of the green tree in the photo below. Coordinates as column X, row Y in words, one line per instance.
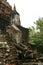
column 39, row 27
column 36, row 35
column 31, row 34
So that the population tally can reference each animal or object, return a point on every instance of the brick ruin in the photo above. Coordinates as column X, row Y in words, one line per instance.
column 14, row 47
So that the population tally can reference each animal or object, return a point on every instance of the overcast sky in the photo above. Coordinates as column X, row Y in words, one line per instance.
column 30, row 10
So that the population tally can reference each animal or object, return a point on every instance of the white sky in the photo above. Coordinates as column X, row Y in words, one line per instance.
column 30, row 10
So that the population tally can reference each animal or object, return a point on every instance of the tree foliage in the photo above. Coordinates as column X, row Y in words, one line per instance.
column 36, row 35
